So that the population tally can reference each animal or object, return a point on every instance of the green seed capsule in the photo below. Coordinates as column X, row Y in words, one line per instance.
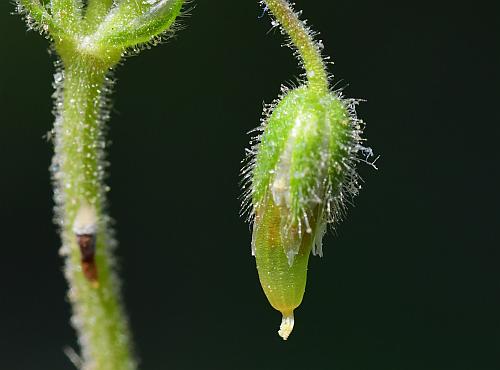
column 283, row 283
column 302, row 170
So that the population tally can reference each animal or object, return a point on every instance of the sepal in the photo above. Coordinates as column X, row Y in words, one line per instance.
column 128, row 25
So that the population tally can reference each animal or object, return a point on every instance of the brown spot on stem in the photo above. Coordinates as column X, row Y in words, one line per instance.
column 86, row 242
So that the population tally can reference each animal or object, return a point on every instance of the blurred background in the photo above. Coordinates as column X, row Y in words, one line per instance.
column 410, row 281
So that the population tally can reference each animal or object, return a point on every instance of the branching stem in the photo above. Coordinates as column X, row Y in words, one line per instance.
column 302, row 39
column 90, row 37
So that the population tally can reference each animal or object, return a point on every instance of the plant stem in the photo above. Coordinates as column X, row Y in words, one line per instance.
column 96, row 11
column 303, row 41
column 78, row 170
column 66, row 14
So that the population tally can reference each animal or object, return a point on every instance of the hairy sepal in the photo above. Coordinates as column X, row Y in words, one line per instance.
column 304, row 162
column 128, row 24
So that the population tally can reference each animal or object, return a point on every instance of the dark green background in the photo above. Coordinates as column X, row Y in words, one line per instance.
column 410, row 281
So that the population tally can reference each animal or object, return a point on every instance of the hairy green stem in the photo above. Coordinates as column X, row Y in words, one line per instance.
column 66, row 13
column 78, row 172
column 91, row 36
column 303, row 40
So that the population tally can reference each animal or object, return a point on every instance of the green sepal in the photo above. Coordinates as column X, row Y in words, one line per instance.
column 301, row 155
column 128, row 25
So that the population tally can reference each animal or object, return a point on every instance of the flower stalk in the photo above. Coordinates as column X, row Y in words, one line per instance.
column 302, row 39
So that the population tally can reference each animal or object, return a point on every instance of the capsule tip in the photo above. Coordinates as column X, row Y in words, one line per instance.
column 286, row 326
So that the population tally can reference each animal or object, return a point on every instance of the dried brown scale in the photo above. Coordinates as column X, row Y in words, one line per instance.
column 87, row 243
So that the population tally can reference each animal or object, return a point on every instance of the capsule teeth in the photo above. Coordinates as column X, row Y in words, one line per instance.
column 286, row 326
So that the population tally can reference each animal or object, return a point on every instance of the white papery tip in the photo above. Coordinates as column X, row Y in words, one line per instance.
column 85, row 220
column 286, row 326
